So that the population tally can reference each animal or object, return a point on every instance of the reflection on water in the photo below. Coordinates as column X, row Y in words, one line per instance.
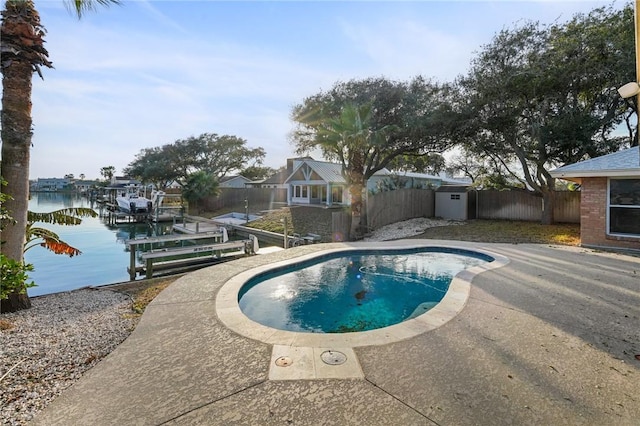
column 342, row 293
column 104, row 257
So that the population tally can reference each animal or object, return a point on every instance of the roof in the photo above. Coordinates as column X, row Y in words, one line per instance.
column 232, row 177
column 331, row 172
column 328, row 172
column 621, row 163
column 453, row 188
column 278, row 177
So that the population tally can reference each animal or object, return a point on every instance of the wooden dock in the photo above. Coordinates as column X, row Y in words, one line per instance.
column 178, row 257
column 169, row 260
column 194, row 225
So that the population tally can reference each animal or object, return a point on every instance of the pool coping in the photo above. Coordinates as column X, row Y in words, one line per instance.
column 229, row 313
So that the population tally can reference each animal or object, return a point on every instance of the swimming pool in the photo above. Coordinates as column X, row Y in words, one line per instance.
column 354, row 291
column 229, row 313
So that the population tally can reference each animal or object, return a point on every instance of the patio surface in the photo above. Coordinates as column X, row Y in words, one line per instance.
column 549, row 338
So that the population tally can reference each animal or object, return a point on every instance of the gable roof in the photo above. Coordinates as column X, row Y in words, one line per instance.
column 621, row 163
column 233, row 177
column 277, row 178
column 331, row 173
column 328, row 172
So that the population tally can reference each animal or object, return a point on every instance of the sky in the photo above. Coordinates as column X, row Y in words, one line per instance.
column 148, row 73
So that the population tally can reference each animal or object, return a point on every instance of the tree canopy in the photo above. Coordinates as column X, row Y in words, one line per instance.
column 216, row 155
column 366, row 124
column 200, row 185
column 537, row 97
column 415, row 115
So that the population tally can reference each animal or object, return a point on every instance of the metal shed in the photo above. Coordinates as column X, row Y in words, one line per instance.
column 457, row 202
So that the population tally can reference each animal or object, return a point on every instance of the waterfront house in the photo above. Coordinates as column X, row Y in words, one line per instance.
column 52, row 184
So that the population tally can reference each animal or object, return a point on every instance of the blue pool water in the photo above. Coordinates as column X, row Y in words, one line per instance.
column 354, row 291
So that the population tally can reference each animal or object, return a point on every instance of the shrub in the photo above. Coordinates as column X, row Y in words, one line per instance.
column 13, row 276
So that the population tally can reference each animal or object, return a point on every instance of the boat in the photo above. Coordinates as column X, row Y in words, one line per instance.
column 130, row 201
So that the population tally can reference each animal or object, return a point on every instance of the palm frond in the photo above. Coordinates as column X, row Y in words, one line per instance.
column 34, row 233
column 80, row 7
column 60, row 247
column 50, row 240
column 68, row 216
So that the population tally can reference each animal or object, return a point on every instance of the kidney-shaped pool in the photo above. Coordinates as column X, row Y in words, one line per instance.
column 350, row 295
column 354, row 291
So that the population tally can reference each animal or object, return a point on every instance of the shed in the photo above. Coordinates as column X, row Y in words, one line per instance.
column 457, row 202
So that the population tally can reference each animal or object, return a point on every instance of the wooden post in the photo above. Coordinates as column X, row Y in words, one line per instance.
column 286, row 238
column 149, row 271
column 636, row 22
column 132, row 262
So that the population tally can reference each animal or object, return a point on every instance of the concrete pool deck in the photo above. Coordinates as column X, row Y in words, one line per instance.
column 549, row 338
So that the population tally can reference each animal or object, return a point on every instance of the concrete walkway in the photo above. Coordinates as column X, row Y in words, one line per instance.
column 551, row 338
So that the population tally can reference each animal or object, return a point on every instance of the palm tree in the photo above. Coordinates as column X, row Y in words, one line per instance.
column 351, row 139
column 199, row 186
column 13, row 295
column 22, row 53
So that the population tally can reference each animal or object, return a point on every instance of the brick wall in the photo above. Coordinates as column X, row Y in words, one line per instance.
column 593, row 217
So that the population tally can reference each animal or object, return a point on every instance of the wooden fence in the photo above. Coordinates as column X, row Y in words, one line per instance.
column 258, row 199
column 388, row 207
column 521, row 205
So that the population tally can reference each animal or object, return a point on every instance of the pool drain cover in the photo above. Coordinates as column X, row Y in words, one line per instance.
column 333, row 357
column 284, row 361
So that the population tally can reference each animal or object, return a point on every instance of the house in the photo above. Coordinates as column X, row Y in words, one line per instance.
column 85, row 185
column 274, row 181
column 610, row 198
column 52, row 184
column 237, row 181
column 321, row 182
column 278, row 179
column 316, row 182
column 386, row 180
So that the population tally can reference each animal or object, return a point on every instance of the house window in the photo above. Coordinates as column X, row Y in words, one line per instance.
column 624, row 206
column 296, row 191
column 455, row 196
column 336, row 194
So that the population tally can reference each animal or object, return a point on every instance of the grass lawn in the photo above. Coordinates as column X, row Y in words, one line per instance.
column 504, row 231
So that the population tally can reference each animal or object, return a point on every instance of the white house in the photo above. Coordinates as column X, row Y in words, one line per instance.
column 321, row 182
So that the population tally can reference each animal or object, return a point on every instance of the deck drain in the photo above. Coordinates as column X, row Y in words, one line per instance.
column 284, row 361
column 333, row 357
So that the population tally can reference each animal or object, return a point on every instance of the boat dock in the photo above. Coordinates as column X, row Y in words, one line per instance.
column 204, row 249
column 195, row 225
column 166, row 208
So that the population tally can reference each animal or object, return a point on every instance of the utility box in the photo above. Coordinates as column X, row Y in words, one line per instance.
column 456, row 202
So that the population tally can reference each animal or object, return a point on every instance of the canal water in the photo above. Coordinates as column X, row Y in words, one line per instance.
column 104, row 257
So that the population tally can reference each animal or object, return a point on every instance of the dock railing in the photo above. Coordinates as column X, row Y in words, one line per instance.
column 148, row 243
